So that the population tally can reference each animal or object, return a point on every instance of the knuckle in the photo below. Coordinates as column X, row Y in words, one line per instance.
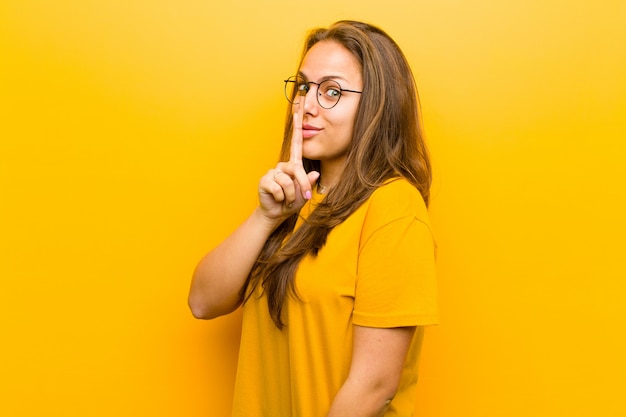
column 278, row 193
column 276, row 189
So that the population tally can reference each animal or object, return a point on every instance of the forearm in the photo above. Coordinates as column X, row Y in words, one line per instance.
column 361, row 399
column 220, row 275
column 377, row 361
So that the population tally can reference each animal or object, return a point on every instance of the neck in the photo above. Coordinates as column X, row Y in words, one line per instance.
column 329, row 176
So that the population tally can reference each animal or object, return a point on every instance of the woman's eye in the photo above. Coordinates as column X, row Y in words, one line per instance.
column 303, row 87
column 333, row 92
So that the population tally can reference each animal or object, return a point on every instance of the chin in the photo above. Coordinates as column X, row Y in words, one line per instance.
column 310, row 154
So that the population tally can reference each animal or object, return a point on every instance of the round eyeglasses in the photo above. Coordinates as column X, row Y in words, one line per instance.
column 328, row 91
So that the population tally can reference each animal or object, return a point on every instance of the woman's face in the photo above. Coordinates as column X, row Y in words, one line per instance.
column 327, row 132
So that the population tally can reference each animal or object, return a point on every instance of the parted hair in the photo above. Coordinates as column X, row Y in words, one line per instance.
column 387, row 142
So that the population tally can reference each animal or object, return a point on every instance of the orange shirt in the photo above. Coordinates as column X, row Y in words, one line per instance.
column 376, row 270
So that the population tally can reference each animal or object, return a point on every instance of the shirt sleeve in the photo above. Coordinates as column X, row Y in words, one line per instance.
column 396, row 283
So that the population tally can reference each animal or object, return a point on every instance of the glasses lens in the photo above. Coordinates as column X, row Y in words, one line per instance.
column 328, row 94
column 294, row 88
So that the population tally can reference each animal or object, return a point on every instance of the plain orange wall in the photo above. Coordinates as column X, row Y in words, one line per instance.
column 132, row 136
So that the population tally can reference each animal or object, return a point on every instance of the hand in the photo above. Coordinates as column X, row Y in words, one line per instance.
column 284, row 189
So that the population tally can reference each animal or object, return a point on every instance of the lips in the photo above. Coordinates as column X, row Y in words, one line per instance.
column 308, row 131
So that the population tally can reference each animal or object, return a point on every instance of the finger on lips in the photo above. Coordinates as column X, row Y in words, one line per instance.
column 295, row 157
column 290, row 177
column 296, row 139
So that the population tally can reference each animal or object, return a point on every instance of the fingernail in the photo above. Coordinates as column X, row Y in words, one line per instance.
column 307, row 195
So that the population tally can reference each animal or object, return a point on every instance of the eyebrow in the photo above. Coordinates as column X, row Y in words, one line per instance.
column 324, row 78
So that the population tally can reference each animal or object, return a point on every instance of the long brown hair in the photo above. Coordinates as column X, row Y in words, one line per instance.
column 387, row 142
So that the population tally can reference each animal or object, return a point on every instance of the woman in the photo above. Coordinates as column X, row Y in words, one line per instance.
column 335, row 267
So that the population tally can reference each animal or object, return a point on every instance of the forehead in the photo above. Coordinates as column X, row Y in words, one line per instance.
column 330, row 58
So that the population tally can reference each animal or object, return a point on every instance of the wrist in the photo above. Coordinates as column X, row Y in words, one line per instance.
column 266, row 223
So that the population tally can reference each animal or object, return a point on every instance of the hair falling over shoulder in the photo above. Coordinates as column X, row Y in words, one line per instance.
column 387, row 142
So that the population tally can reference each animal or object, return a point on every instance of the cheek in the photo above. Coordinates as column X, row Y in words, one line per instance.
column 343, row 137
column 351, row 117
column 348, row 128
column 344, row 122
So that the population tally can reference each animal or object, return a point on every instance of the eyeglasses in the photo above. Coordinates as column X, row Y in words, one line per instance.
column 328, row 92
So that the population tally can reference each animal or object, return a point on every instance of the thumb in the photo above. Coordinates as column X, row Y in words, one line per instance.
column 313, row 177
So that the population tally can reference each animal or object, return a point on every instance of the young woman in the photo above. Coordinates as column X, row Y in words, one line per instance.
column 335, row 267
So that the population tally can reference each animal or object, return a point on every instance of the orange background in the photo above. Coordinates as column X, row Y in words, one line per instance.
column 132, row 136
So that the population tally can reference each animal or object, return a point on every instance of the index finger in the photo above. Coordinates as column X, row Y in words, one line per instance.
column 296, row 139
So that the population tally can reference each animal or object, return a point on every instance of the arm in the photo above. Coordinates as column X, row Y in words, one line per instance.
column 221, row 274
column 377, row 361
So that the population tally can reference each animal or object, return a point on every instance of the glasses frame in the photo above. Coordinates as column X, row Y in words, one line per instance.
column 296, row 78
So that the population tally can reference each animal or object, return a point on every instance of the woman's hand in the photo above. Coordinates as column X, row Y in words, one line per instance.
column 284, row 189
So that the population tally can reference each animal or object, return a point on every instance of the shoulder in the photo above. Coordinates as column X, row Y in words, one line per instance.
column 396, row 199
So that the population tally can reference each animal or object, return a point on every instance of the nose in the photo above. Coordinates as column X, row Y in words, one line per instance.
column 310, row 99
